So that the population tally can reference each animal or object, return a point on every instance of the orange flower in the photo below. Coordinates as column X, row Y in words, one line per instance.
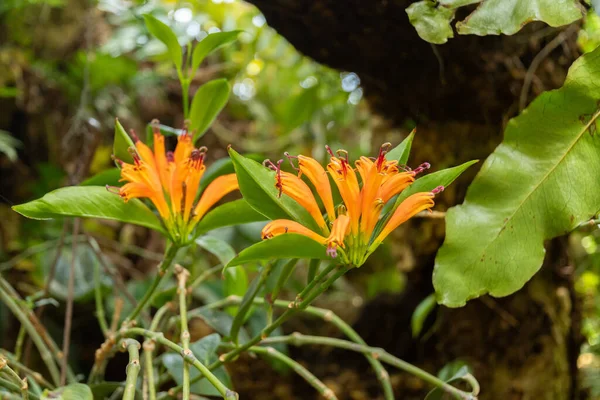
column 351, row 231
column 171, row 181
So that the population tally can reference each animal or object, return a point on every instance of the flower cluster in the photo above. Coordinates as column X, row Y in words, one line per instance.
column 171, row 179
column 350, row 229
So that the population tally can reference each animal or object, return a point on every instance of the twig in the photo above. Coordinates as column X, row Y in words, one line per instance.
column 315, row 382
column 69, row 310
column 205, row 275
column 15, row 388
column 297, row 339
column 100, row 315
column 116, row 314
column 15, row 364
column 182, row 277
column 22, row 383
column 133, row 368
column 537, row 60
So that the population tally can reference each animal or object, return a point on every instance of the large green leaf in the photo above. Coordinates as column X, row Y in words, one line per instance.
column 289, row 245
column 121, row 143
column 208, row 102
column 232, row 213
column 108, row 177
column 218, row 247
column 257, row 184
column 492, row 17
column 210, row 44
column 163, row 33
column 541, row 182
column 77, row 391
column 92, row 202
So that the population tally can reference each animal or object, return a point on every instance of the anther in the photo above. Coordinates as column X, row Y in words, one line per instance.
column 279, row 184
column 438, row 190
column 329, row 150
column 342, row 153
column 269, row 164
column 422, row 168
column 135, row 155
column 170, row 156
column 118, row 161
column 332, row 252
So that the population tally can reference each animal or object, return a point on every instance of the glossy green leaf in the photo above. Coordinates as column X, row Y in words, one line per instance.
column 235, row 283
column 108, row 177
column 289, row 245
column 257, row 184
column 91, row 202
column 220, row 248
column 451, row 372
column 421, row 313
column 232, row 213
column 281, row 270
column 205, row 351
column 541, row 182
column 77, row 391
column 163, row 33
column 208, row 102
column 402, row 151
column 121, row 143
column 432, row 19
column 209, row 44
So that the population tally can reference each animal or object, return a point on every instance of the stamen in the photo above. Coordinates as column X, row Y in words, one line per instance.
column 279, row 184
column 115, row 159
column 422, row 168
column 134, row 136
column 135, row 155
column 329, row 150
column 332, row 252
column 289, row 157
column 183, row 192
column 113, row 189
column 343, row 155
column 269, row 164
column 170, row 156
column 155, row 126
column 438, row 190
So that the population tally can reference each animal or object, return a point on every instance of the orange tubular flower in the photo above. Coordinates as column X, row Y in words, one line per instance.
column 171, row 181
column 351, row 232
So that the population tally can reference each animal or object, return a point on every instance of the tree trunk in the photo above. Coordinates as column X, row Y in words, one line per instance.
column 461, row 94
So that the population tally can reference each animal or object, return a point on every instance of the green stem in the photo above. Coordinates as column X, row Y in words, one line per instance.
column 99, row 303
column 16, row 388
column 298, row 339
column 182, row 276
column 312, row 380
column 149, row 369
column 304, row 298
column 11, row 302
column 205, row 275
column 16, row 365
column 133, row 368
column 170, row 253
column 22, row 384
column 185, row 92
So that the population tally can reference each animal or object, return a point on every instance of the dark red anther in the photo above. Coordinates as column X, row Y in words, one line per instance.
column 382, row 152
column 134, row 136
column 422, row 168
column 136, row 157
column 269, row 164
column 170, row 156
column 197, row 157
column 279, row 184
column 118, row 161
column 438, row 190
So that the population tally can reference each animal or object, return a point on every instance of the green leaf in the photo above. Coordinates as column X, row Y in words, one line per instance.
column 105, row 389
column 9, row 145
column 402, row 151
column 77, row 391
column 257, row 184
column 298, row 109
column 421, row 313
column 495, row 17
column 210, row 44
column 289, row 245
column 163, row 33
column 108, row 177
column 235, row 283
column 92, row 202
column 205, row 351
column 232, row 213
column 220, row 248
column 451, row 372
column 220, row 167
column 541, row 182
column 431, row 21
column 122, row 143
column 208, row 102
